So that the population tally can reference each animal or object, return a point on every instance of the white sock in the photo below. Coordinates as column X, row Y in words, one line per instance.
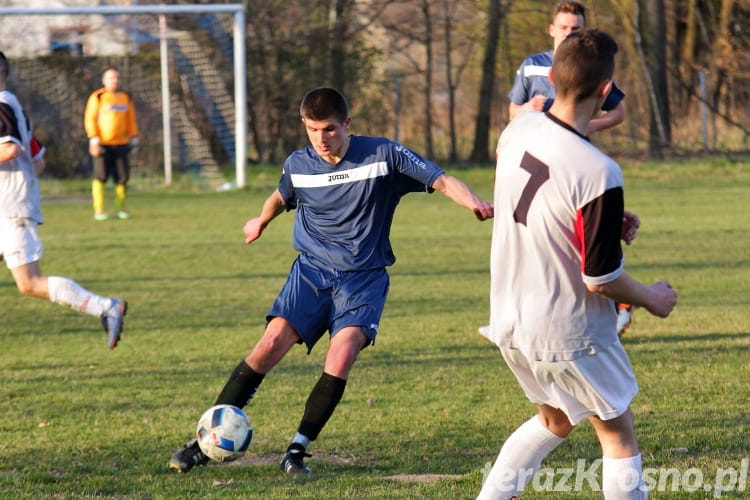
column 519, row 458
column 301, row 439
column 67, row 292
column 622, row 479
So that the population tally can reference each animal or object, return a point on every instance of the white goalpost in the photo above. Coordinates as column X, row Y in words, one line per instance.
column 239, row 63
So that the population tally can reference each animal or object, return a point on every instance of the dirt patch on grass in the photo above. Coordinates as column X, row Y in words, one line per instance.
column 274, row 458
column 422, row 478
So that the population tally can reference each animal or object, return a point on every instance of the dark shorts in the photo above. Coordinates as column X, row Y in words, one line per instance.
column 316, row 300
column 113, row 162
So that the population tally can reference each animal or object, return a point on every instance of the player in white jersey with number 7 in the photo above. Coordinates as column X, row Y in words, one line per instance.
column 556, row 271
column 345, row 189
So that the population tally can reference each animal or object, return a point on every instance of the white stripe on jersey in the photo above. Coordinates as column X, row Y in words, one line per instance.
column 534, row 70
column 369, row 171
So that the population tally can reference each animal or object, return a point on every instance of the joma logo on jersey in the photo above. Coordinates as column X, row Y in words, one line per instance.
column 337, row 177
column 414, row 158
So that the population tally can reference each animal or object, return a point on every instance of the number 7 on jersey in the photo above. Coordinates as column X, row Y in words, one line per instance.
column 539, row 175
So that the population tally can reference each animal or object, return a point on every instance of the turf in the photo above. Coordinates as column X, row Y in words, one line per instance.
column 425, row 409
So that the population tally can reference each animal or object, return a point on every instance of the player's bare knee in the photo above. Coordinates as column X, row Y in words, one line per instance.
column 271, row 348
column 341, row 364
column 266, row 347
column 558, row 424
column 23, row 288
column 29, row 289
column 561, row 429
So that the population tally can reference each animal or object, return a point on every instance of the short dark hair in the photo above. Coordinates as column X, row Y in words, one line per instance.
column 569, row 7
column 4, row 66
column 324, row 103
column 584, row 60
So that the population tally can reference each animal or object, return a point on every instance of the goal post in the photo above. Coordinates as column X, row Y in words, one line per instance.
column 161, row 10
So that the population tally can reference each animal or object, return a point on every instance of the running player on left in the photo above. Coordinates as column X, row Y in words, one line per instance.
column 21, row 162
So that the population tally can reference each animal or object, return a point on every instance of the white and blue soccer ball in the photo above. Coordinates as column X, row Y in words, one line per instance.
column 224, row 432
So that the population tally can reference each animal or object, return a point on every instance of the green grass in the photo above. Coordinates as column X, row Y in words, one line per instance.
column 424, row 410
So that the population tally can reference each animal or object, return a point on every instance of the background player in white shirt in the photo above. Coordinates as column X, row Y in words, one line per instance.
column 21, row 161
column 556, row 270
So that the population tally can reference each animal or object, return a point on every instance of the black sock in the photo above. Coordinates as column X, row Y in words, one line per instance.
column 241, row 387
column 320, row 404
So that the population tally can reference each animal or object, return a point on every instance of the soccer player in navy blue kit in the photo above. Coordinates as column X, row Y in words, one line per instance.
column 345, row 189
column 532, row 88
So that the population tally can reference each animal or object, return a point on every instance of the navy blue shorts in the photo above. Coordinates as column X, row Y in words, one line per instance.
column 315, row 300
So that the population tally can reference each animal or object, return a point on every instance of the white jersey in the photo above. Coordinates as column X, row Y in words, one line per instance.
column 19, row 186
column 558, row 221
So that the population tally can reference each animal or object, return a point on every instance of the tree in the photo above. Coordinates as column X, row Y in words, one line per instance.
column 448, row 47
column 348, row 19
column 480, row 151
column 722, row 58
column 340, row 15
column 429, row 61
column 453, row 73
column 652, row 30
column 714, row 47
column 412, row 42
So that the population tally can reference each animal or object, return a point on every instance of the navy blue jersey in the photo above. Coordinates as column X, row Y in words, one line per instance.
column 532, row 78
column 345, row 211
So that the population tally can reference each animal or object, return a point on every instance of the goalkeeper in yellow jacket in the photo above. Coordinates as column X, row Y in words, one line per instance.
column 111, row 126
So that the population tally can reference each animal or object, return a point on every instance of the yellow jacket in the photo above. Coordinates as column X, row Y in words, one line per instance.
column 110, row 117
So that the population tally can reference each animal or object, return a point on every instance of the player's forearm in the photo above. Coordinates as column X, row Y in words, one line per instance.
column 657, row 298
column 607, row 120
column 514, row 109
column 272, row 207
column 463, row 195
column 8, row 151
column 623, row 289
column 456, row 190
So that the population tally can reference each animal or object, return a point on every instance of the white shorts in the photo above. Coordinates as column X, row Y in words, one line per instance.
column 19, row 242
column 601, row 384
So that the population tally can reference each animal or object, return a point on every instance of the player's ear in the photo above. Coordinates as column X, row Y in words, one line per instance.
column 551, row 30
column 347, row 122
column 604, row 88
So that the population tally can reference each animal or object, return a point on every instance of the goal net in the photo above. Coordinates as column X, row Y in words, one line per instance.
column 191, row 56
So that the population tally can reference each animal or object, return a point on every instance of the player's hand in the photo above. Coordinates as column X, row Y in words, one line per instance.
column 537, row 102
column 253, row 229
column 630, row 225
column 663, row 299
column 485, row 210
column 95, row 149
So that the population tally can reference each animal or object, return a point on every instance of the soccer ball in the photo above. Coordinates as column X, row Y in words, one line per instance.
column 224, row 432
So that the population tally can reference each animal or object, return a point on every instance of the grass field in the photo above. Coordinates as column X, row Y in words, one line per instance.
column 425, row 409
